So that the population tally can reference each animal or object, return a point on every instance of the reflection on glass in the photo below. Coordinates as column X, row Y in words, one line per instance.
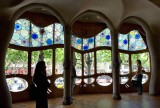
column 104, row 80
column 16, row 84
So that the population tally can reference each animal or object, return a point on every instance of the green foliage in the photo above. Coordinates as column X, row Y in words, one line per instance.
column 103, row 56
column 59, row 56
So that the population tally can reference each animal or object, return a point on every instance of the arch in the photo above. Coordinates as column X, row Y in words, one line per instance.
column 153, row 50
column 102, row 16
column 38, row 5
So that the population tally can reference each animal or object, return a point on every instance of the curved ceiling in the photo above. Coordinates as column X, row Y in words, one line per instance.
column 115, row 10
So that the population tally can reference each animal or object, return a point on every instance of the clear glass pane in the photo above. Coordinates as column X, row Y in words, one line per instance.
column 103, row 38
column 145, row 61
column 21, row 33
column 89, row 64
column 59, row 59
column 16, row 84
column 16, row 62
column 103, row 61
column 48, row 59
column 78, row 61
column 104, row 80
column 124, row 68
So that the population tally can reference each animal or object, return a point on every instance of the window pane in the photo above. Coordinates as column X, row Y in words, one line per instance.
column 48, row 59
column 103, row 38
column 58, row 34
column 77, row 42
column 89, row 64
column 21, row 33
column 16, row 62
column 88, row 43
column 48, row 35
column 136, row 41
column 124, row 69
column 59, row 59
column 104, row 80
column 103, row 61
column 145, row 61
column 123, row 41
column 16, row 84
column 78, row 61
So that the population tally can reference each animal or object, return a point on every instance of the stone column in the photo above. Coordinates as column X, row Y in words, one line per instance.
column 153, row 42
column 6, row 31
column 115, row 66
column 67, row 66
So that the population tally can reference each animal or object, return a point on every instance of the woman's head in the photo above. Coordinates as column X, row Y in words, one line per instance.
column 40, row 68
column 139, row 62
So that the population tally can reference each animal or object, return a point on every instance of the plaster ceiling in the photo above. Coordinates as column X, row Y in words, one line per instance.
column 115, row 10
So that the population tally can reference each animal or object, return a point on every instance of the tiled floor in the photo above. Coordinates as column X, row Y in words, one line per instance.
column 129, row 100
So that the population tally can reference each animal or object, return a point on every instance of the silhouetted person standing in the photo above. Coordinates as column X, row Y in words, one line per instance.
column 139, row 77
column 40, row 79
